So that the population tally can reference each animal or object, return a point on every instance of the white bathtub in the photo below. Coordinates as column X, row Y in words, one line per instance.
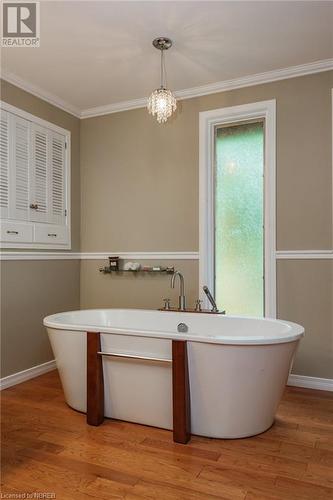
column 238, row 367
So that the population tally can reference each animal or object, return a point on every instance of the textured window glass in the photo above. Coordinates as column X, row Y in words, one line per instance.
column 239, row 235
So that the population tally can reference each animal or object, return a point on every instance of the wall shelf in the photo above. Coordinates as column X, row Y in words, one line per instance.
column 152, row 270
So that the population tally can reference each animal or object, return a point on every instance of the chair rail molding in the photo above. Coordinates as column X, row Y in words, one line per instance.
column 280, row 254
column 12, row 255
column 304, row 254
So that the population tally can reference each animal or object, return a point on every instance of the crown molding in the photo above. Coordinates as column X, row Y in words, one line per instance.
column 115, row 108
column 40, row 93
column 214, row 88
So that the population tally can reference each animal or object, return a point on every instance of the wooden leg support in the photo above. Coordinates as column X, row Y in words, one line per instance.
column 180, row 387
column 181, row 393
column 95, row 382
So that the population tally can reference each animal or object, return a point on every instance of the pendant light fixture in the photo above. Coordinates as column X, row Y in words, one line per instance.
column 162, row 102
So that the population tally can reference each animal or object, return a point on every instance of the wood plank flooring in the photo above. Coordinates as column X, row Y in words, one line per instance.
column 49, row 448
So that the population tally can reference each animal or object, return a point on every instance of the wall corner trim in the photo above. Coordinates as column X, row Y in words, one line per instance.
column 23, row 376
column 321, row 384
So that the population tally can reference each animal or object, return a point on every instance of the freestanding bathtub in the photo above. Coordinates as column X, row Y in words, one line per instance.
column 238, row 367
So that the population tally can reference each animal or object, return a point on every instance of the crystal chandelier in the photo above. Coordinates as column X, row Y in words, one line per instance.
column 162, row 102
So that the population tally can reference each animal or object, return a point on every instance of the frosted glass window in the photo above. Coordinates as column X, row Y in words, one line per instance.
column 239, row 233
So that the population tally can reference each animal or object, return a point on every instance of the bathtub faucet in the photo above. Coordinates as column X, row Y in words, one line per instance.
column 181, row 298
column 211, row 299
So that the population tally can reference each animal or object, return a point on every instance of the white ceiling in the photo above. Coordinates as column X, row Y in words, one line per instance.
column 95, row 53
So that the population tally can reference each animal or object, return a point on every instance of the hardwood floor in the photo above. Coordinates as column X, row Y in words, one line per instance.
column 49, row 448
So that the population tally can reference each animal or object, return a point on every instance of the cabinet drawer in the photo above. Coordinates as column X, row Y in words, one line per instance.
column 47, row 233
column 13, row 232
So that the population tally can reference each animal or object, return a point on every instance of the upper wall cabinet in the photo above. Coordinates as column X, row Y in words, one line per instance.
column 4, row 168
column 34, row 179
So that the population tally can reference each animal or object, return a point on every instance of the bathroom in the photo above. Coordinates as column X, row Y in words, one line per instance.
column 140, row 190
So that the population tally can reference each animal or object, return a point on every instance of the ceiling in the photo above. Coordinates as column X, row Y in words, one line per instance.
column 97, row 53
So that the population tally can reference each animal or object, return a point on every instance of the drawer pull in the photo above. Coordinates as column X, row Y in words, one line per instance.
column 12, row 232
column 34, row 206
column 54, row 235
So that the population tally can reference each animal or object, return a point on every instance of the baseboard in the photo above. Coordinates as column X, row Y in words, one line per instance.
column 321, row 384
column 35, row 371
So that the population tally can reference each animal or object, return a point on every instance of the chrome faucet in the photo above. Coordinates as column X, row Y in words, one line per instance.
column 211, row 299
column 181, row 298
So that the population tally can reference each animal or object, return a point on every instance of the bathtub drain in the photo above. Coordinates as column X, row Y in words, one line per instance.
column 182, row 328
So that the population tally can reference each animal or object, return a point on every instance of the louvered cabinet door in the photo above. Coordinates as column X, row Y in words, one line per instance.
column 57, row 186
column 40, row 173
column 19, row 135
column 34, row 182
column 4, row 166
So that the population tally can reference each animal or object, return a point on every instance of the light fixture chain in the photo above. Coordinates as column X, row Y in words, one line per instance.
column 165, row 82
column 162, row 69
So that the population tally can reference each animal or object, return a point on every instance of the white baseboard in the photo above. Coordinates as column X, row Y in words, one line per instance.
column 35, row 371
column 322, row 384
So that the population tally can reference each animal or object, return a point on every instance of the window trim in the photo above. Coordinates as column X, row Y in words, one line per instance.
column 208, row 120
column 67, row 179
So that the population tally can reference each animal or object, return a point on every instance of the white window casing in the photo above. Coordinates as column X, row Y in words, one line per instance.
column 208, row 120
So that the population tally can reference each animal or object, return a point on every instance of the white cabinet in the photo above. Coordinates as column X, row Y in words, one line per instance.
column 16, row 232
column 57, row 179
column 4, row 166
column 19, row 130
column 47, row 178
column 50, row 234
column 39, row 174
column 34, row 181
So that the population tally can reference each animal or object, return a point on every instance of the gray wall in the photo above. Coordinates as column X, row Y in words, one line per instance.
column 305, row 296
column 31, row 290
column 140, row 179
column 140, row 193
